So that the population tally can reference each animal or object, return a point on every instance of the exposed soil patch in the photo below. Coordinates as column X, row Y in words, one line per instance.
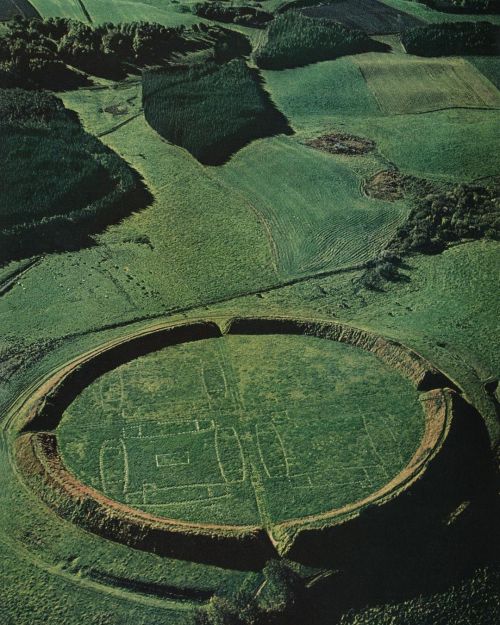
column 388, row 185
column 342, row 143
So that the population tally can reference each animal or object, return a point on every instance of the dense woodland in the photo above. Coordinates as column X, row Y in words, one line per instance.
column 461, row 212
column 224, row 107
column 245, row 16
column 294, row 40
column 464, row 6
column 55, row 53
column 62, row 182
column 452, row 38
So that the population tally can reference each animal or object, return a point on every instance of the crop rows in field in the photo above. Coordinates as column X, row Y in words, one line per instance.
column 313, row 203
column 374, row 17
column 405, row 84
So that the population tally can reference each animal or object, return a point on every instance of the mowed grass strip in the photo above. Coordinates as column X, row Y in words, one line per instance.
column 61, row 8
column 313, row 203
column 406, row 84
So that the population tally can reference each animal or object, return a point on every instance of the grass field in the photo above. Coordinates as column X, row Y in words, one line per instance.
column 253, row 428
column 160, row 11
column 371, row 16
column 406, row 84
column 313, row 203
column 219, row 431
column 311, row 94
column 489, row 66
column 445, row 144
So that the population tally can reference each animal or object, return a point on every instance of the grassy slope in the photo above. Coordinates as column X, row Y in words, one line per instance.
column 319, row 217
column 193, row 217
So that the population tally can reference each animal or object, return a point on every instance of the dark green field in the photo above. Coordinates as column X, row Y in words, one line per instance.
column 331, row 172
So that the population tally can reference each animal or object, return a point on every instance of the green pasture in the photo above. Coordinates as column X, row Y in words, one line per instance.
column 243, row 430
column 447, row 144
column 313, row 203
column 160, row 11
column 404, row 84
column 198, row 242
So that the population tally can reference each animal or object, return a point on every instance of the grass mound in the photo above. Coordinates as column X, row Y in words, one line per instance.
column 60, row 182
column 294, row 40
column 210, row 110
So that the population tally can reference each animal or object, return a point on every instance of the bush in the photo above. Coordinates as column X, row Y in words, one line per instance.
column 60, row 183
column 294, row 39
column 452, row 38
column 279, row 600
column 211, row 110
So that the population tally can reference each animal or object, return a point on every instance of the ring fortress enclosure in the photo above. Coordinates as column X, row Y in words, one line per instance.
column 291, row 435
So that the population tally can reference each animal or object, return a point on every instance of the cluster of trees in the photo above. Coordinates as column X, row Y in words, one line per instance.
column 245, row 16
column 59, row 184
column 458, row 213
column 294, row 40
column 464, row 6
column 52, row 53
column 211, row 110
column 452, row 38
column 461, row 212
column 279, row 600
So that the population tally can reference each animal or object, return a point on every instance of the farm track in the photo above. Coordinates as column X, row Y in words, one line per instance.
column 84, row 11
column 12, row 279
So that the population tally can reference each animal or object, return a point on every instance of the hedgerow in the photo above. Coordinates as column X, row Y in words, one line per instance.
column 441, row 217
column 294, row 40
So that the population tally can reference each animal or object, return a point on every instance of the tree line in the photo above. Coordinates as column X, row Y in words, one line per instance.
column 452, row 38
column 56, row 53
